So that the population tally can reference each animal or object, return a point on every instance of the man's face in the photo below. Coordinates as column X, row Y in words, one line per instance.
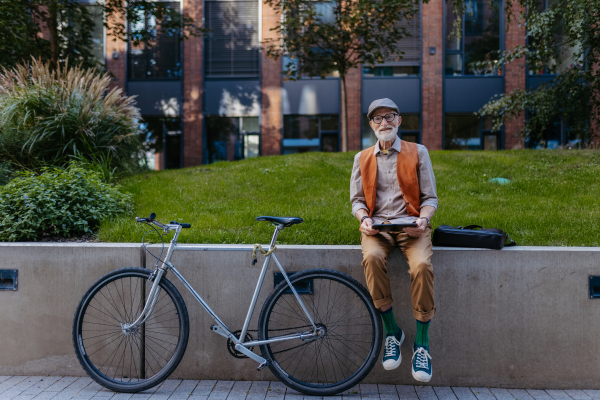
column 386, row 130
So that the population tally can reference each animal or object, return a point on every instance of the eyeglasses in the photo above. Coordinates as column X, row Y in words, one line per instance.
column 388, row 117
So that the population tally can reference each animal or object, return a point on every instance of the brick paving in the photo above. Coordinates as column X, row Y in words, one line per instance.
column 67, row 388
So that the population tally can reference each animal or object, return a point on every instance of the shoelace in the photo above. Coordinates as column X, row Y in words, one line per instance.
column 390, row 349
column 423, row 358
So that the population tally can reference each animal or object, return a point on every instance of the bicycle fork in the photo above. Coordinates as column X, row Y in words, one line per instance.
column 155, row 277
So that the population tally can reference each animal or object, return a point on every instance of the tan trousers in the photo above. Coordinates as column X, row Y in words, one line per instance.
column 417, row 252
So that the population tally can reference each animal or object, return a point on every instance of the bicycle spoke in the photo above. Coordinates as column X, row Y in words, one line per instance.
column 344, row 317
column 122, row 355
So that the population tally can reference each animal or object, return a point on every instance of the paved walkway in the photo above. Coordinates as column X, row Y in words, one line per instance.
column 64, row 388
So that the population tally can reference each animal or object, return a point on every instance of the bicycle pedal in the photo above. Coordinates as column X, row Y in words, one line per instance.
column 262, row 366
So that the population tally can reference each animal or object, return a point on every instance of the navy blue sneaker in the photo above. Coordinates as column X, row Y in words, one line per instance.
column 421, row 363
column 391, row 355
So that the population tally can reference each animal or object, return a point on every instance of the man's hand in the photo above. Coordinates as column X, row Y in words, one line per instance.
column 418, row 231
column 367, row 227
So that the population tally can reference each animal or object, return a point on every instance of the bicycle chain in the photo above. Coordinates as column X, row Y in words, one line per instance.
column 236, row 354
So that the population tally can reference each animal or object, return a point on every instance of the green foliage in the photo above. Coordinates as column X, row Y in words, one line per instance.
column 69, row 27
column 19, row 33
column 51, row 117
column 360, row 32
column 563, row 39
column 61, row 202
column 551, row 201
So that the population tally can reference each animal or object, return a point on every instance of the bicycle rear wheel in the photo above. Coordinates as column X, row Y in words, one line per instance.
column 129, row 361
column 344, row 310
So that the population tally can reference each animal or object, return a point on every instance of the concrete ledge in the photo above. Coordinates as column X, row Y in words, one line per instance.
column 519, row 317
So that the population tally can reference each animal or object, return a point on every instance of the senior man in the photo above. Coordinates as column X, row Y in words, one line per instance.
column 393, row 182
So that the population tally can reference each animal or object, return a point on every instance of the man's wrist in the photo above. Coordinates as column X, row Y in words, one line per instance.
column 363, row 218
column 425, row 218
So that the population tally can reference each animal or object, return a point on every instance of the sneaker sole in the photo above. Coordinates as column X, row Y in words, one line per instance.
column 396, row 364
column 421, row 377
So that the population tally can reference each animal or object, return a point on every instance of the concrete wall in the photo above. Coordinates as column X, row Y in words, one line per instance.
column 519, row 317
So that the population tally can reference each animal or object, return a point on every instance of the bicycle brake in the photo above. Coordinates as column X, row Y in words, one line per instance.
column 152, row 276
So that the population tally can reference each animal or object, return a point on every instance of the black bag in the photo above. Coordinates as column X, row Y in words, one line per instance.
column 468, row 236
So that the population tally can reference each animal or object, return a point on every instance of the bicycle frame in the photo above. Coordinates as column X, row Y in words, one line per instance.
column 221, row 328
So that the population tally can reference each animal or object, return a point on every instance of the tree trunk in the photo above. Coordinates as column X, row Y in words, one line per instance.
column 344, row 116
column 52, row 24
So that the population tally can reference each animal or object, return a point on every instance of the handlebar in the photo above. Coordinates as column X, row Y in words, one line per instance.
column 152, row 220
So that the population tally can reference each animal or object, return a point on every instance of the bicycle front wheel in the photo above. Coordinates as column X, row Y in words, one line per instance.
column 349, row 346
column 129, row 360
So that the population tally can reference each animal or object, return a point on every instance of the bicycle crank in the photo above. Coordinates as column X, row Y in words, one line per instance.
column 231, row 346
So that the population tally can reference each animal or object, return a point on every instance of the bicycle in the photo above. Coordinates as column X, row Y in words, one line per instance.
column 318, row 331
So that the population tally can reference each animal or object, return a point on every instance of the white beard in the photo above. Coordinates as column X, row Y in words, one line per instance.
column 388, row 136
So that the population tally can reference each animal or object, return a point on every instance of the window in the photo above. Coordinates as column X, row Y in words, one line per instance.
column 163, row 137
column 231, row 138
column 556, row 135
column 98, row 31
column 302, row 133
column 391, row 71
column 162, row 60
column 565, row 54
column 480, row 39
column 410, row 62
column 325, row 14
column 469, row 132
column 287, row 61
column 233, row 48
column 409, row 130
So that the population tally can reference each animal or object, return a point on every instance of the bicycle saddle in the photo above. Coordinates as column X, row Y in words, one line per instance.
column 285, row 221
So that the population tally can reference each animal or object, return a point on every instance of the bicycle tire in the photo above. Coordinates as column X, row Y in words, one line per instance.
column 344, row 296
column 100, row 311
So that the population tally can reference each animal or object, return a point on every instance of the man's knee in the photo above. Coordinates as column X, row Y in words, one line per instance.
column 374, row 258
column 421, row 267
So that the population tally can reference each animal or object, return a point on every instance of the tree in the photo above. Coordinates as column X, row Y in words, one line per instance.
column 562, row 38
column 68, row 25
column 338, row 35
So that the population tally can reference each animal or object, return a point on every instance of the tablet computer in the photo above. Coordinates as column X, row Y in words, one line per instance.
column 393, row 227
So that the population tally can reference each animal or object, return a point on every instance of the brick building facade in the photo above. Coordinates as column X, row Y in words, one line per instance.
column 224, row 99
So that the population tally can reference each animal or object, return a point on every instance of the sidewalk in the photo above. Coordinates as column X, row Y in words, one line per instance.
column 64, row 388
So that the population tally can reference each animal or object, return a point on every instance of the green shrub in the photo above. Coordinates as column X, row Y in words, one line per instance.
column 49, row 117
column 61, row 202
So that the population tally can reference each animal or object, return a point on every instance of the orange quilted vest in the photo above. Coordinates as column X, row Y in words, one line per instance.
column 406, row 170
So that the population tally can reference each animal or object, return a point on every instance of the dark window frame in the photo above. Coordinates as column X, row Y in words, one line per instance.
column 239, row 132
column 321, row 133
column 461, row 51
column 482, row 133
column 211, row 46
column 177, row 71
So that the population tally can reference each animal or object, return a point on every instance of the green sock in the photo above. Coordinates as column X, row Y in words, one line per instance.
column 389, row 322
column 422, row 338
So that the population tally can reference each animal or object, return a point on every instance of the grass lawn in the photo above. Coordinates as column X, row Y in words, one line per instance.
column 553, row 199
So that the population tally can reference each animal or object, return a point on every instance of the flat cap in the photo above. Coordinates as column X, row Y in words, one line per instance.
column 380, row 103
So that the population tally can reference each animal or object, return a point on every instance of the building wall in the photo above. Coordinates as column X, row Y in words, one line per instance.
column 116, row 60
column 433, row 74
column 192, row 91
column 271, row 117
column 431, row 94
column 515, row 78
